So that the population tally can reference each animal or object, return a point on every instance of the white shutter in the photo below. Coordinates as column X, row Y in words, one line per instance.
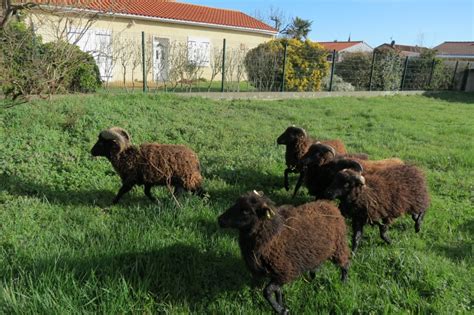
column 199, row 51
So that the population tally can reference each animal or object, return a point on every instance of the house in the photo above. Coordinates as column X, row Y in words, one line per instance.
column 455, row 50
column 114, row 37
column 345, row 47
column 403, row 50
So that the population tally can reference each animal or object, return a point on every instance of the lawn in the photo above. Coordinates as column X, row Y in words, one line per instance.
column 65, row 249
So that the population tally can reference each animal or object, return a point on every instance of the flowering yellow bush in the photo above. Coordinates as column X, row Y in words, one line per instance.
column 306, row 65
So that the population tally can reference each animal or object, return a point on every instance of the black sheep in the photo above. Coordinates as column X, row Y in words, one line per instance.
column 284, row 242
column 149, row 164
column 380, row 197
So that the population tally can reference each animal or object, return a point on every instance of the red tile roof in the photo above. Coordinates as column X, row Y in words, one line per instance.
column 456, row 48
column 338, row 46
column 170, row 10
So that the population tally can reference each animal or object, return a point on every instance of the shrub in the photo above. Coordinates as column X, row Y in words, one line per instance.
column 29, row 67
column 355, row 69
column 306, row 65
column 338, row 84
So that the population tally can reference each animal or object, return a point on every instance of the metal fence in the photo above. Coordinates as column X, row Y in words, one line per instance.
column 151, row 63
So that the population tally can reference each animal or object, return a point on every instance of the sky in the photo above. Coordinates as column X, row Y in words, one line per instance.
column 409, row 22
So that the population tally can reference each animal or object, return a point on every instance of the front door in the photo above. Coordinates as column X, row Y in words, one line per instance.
column 160, row 59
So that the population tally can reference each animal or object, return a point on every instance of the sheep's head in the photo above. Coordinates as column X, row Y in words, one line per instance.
column 111, row 141
column 291, row 135
column 317, row 155
column 248, row 210
column 344, row 183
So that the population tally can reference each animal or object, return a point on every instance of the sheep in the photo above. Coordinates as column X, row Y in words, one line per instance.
column 148, row 164
column 284, row 242
column 297, row 143
column 321, row 163
column 380, row 197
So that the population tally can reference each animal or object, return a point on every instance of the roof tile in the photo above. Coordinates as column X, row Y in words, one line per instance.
column 170, row 10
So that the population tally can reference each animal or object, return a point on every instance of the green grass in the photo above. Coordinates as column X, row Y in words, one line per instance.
column 65, row 249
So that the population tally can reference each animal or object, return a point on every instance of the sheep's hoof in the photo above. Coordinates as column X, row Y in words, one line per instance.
column 285, row 311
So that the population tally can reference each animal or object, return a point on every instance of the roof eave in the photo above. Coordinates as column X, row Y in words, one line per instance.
column 165, row 20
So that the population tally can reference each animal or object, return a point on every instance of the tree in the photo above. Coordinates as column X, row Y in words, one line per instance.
column 9, row 10
column 298, row 29
column 274, row 17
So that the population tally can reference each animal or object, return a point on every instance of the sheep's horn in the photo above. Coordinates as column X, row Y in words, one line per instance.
column 122, row 132
column 330, row 148
column 109, row 134
column 350, row 164
column 361, row 179
column 302, row 130
column 256, row 192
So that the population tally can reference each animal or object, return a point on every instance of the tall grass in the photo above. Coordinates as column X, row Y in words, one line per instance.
column 65, row 249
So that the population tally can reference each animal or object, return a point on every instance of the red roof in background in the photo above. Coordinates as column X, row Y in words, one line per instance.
column 169, row 10
column 455, row 48
column 338, row 46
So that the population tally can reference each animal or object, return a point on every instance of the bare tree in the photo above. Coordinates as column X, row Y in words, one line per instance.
column 9, row 10
column 215, row 63
column 274, row 17
column 136, row 60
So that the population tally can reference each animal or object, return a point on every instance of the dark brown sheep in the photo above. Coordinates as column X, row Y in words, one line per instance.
column 284, row 242
column 297, row 143
column 149, row 164
column 321, row 163
column 380, row 197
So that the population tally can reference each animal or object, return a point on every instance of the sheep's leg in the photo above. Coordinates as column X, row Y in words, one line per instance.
column 122, row 191
column 271, row 291
column 286, row 183
column 344, row 271
column 298, row 184
column 312, row 273
column 148, row 192
column 357, row 232
column 383, row 228
column 179, row 190
column 418, row 218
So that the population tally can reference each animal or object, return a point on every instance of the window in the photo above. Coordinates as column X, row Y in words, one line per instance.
column 199, row 51
column 98, row 43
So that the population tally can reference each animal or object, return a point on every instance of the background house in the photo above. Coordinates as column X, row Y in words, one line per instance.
column 345, row 47
column 403, row 50
column 114, row 38
column 455, row 50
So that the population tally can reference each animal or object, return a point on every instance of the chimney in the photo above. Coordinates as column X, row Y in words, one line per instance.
column 392, row 43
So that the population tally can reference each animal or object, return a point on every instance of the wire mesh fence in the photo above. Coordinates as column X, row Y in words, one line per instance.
column 133, row 61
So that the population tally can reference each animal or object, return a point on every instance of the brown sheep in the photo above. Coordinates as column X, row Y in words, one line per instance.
column 284, row 242
column 297, row 143
column 380, row 197
column 149, row 164
column 321, row 163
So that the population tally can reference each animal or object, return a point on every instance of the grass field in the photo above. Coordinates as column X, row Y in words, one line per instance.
column 65, row 249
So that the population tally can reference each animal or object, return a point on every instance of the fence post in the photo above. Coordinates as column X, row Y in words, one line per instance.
column 332, row 69
column 431, row 72
column 454, row 74
column 284, row 69
column 223, row 66
column 372, row 70
column 143, row 62
column 404, row 73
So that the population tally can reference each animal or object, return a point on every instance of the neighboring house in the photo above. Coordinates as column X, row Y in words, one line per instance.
column 345, row 47
column 403, row 50
column 455, row 50
column 167, row 25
